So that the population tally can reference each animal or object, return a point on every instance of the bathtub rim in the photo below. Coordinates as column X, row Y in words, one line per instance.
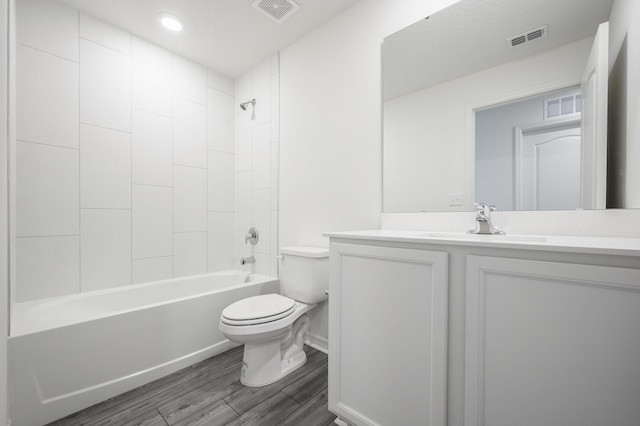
column 21, row 309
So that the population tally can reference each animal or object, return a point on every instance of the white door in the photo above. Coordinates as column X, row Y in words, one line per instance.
column 548, row 168
column 594, row 122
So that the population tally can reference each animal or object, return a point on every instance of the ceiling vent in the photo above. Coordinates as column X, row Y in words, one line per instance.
column 527, row 37
column 277, row 10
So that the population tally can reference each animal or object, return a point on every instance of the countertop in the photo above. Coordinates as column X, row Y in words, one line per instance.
column 559, row 243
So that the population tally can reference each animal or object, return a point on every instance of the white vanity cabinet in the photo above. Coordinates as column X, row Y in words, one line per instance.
column 432, row 329
column 388, row 335
column 551, row 343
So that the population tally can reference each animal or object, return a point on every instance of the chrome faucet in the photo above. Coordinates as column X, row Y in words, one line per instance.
column 246, row 260
column 252, row 236
column 483, row 220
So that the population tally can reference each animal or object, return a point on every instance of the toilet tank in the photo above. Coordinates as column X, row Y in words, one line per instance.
column 304, row 273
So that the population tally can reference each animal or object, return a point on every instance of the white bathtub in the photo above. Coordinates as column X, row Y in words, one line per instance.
column 68, row 353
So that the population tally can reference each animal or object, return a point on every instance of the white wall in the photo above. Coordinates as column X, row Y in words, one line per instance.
column 428, row 134
column 256, row 170
column 330, row 151
column 125, row 158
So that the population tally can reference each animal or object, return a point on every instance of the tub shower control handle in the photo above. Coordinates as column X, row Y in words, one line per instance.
column 252, row 236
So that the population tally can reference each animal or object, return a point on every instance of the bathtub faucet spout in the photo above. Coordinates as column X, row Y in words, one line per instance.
column 246, row 260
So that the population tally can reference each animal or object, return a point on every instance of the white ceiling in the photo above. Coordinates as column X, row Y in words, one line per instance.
column 229, row 36
column 471, row 36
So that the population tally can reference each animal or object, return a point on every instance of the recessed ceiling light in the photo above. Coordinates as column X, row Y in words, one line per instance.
column 170, row 22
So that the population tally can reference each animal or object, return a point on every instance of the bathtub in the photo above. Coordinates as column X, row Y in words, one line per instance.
column 68, row 353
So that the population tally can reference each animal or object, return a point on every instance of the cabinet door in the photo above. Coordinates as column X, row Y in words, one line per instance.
column 388, row 335
column 551, row 344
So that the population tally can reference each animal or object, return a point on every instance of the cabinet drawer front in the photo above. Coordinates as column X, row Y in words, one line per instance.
column 388, row 335
column 551, row 343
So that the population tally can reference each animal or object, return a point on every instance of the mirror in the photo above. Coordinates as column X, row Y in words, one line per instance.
column 444, row 75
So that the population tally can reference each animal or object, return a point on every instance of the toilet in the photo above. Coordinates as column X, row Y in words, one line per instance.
column 272, row 326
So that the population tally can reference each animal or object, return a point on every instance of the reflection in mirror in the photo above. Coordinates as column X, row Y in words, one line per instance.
column 443, row 73
column 527, row 152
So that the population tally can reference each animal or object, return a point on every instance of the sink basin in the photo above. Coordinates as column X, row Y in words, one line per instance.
column 482, row 237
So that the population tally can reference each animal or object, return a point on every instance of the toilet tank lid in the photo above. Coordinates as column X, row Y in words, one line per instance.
column 306, row 251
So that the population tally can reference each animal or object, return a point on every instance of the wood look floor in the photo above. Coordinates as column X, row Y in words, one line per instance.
column 210, row 393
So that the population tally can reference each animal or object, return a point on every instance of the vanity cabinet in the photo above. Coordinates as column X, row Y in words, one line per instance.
column 551, row 343
column 388, row 335
column 427, row 329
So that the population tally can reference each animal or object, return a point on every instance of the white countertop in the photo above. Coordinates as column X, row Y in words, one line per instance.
column 568, row 244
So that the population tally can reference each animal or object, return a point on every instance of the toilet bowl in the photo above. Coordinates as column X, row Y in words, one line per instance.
column 265, row 334
column 273, row 326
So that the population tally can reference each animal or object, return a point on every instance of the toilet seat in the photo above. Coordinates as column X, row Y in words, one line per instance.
column 258, row 310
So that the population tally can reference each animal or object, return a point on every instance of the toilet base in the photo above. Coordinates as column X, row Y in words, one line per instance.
column 262, row 363
column 267, row 362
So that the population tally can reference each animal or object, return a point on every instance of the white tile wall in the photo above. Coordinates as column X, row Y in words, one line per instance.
column 261, row 76
column 190, row 254
column 153, row 269
column 274, row 174
column 152, row 149
column 257, row 165
column 243, row 89
column 152, row 221
column 243, row 142
column 262, row 265
column 47, row 200
column 243, row 250
column 190, row 199
column 189, row 80
column 261, row 218
column 221, row 182
column 273, row 250
column 261, row 156
column 47, row 98
column 47, row 267
column 102, row 33
column 221, row 241
column 221, row 121
column 105, row 86
column 134, row 164
column 220, row 83
column 189, row 133
column 105, row 249
column 275, row 104
column 105, row 168
column 152, row 78
column 49, row 26
column 243, row 201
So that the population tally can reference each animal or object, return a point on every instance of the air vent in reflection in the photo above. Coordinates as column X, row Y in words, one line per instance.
column 527, row 37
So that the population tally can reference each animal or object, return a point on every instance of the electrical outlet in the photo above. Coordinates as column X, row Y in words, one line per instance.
column 455, row 198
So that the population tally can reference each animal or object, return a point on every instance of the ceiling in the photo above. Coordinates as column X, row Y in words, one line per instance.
column 471, row 36
column 228, row 36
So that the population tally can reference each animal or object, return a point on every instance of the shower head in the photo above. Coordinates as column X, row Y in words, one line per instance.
column 245, row 105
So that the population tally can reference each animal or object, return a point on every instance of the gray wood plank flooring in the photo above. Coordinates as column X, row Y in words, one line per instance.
column 209, row 393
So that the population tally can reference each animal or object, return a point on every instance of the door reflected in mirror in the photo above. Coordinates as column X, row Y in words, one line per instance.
column 527, row 152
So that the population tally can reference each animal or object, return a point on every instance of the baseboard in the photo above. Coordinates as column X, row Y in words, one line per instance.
column 317, row 342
